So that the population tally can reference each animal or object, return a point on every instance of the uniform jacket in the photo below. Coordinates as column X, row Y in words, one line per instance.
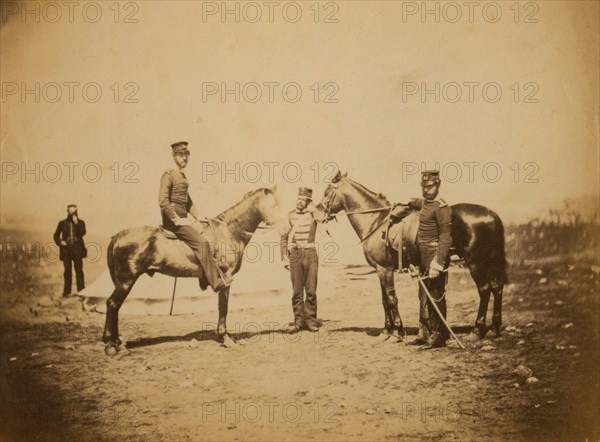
column 435, row 228
column 174, row 199
column 302, row 231
column 76, row 245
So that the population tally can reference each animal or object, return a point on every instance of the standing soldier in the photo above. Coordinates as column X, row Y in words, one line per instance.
column 69, row 238
column 299, row 252
column 175, row 206
column 434, row 238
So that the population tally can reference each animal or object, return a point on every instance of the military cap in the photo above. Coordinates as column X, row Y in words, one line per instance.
column 429, row 177
column 71, row 205
column 305, row 192
column 180, row 147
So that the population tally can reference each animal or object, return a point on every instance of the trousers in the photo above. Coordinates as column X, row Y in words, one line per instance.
column 304, row 265
column 201, row 247
column 73, row 260
column 429, row 321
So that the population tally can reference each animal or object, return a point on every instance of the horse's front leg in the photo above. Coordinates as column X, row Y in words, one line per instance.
column 386, row 278
column 497, row 290
column 222, row 335
column 387, row 327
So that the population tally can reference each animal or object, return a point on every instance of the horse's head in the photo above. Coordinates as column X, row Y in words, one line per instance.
column 333, row 201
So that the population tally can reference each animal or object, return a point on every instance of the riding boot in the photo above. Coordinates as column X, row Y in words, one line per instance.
column 422, row 336
column 203, row 282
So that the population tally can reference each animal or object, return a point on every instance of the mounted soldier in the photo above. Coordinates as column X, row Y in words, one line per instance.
column 179, row 213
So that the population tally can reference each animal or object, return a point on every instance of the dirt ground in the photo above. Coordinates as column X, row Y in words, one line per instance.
column 342, row 383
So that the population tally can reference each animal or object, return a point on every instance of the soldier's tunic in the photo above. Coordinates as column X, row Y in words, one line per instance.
column 435, row 239
column 175, row 201
column 299, row 246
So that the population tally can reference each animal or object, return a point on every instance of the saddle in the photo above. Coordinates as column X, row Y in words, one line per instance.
column 401, row 237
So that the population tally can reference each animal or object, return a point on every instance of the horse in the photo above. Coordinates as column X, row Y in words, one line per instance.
column 477, row 237
column 135, row 251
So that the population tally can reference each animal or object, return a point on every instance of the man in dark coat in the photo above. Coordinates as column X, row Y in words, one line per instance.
column 69, row 238
column 434, row 239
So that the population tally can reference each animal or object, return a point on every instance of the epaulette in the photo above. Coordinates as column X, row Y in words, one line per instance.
column 442, row 202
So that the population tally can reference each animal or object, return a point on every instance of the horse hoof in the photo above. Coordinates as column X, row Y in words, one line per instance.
column 228, row 342
column 495, row 332
column 383, row 336
column 393, row 339
column 476, row 335
column 110, row 350
column 122, row 350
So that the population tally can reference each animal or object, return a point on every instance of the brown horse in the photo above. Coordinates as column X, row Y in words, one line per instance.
column 477, row 237
column 133, row 252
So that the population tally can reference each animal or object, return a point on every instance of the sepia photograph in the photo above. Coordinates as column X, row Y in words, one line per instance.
column 310, row 220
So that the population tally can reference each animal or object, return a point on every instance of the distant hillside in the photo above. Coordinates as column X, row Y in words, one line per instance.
column 580, row 210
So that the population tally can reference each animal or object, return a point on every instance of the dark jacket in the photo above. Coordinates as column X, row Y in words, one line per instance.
column 76, row 248
column 435, row 229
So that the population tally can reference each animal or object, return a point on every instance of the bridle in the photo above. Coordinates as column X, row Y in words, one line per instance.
column 333, row 194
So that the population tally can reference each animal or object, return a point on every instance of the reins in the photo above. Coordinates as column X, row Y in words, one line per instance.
column 359, row 212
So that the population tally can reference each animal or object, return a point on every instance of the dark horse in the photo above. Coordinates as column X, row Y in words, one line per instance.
column 477, row 237
column 133, row 252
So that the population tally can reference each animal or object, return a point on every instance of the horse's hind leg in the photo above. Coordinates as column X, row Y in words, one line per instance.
column 484, row 299
column 497, row 290
column 484, row 288
column 111, row 327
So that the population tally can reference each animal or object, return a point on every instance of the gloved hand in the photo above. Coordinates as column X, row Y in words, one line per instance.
column 182, row 222
column 415, row 203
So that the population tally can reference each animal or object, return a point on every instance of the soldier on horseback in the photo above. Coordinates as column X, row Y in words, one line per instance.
column 434, row 240
column 175, row 206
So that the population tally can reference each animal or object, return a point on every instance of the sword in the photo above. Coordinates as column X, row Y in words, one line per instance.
column 414, row 273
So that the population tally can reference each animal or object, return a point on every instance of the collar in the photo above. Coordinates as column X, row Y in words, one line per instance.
column 437, row 199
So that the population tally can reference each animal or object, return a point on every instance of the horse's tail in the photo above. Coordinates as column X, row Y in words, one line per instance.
column 499, row 255
column 110, row 258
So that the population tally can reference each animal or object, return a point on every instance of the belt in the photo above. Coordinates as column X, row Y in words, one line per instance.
column 301, row 246
column 428, row 243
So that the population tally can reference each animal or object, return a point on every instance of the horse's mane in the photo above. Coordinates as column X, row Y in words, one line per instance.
column 375, row 195
column 243, row 200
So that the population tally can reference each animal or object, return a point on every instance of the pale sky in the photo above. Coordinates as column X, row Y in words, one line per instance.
column 367, row 59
